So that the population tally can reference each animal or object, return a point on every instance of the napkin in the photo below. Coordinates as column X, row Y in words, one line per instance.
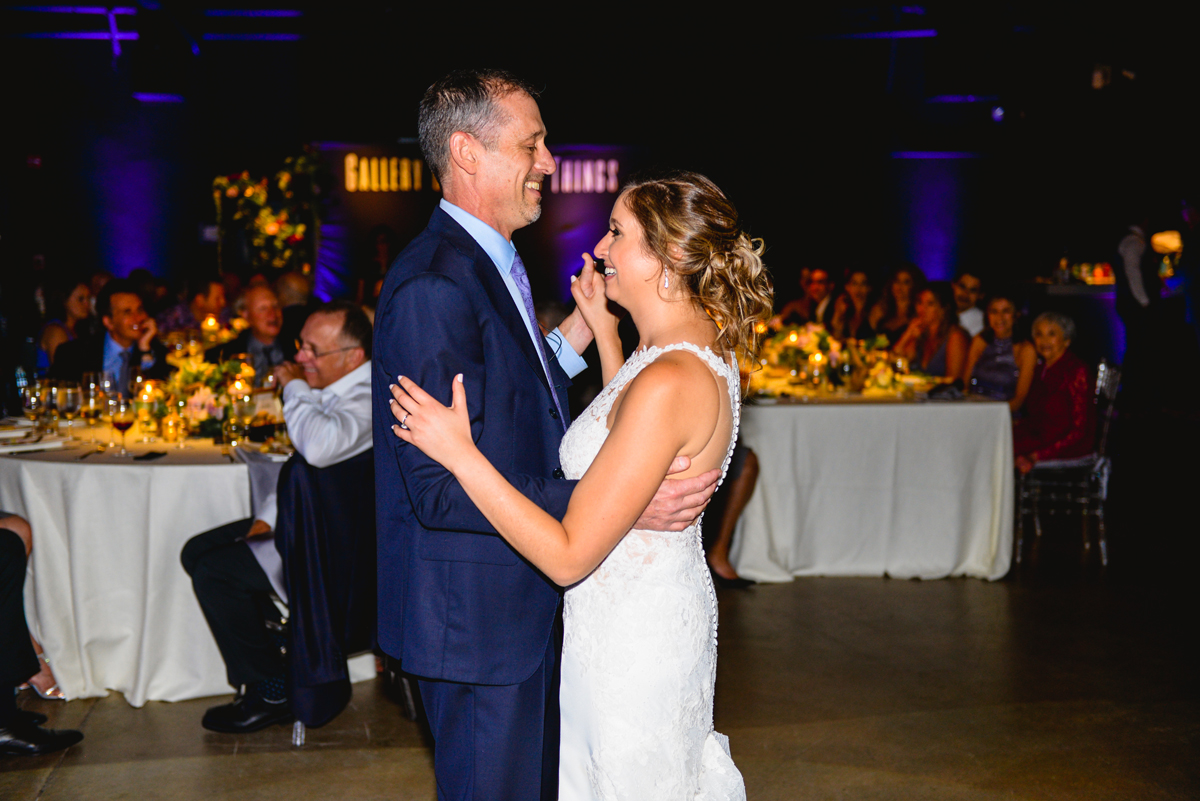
column 45, row 444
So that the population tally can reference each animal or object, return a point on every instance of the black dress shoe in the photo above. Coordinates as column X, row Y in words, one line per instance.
column 26, row 739
column 247, row 713
column 32, row 718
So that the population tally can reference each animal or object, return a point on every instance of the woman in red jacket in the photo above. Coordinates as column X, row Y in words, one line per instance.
column 1059, row 420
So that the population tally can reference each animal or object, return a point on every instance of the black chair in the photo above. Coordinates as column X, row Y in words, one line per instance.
column 1073, row 484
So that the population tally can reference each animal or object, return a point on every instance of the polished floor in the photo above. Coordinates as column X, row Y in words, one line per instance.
column 1068, row 687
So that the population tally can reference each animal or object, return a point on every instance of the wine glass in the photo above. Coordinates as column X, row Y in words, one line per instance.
column 123, row 417
column 92, row 402
column 68, row 403
column 110, row 390
column 32, row 404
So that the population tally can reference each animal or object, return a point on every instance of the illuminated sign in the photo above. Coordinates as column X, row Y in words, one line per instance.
column 383, row 174
column 579, row 176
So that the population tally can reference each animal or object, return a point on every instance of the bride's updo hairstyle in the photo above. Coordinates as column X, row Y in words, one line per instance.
column 720, row 267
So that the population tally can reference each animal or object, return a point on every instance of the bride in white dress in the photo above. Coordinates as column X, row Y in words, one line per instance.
column 640, row 615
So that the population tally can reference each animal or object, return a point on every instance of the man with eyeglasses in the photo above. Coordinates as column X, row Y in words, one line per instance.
column 235, row 568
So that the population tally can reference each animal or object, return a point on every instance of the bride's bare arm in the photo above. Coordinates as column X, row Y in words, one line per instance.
column 661, row 416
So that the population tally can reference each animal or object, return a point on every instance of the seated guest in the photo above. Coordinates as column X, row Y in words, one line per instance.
column 327, row 408
column 724, row 510
column 967, row 291
column 261, row 341
column 129, row 345
column 201, row 297
column 68, row 309
column 21, row 733
column 934, row 343
column 294, row 290
column 894, row 310
column 815, row 305
column 1059, row 418
column 43, row 682
column 851, row 311
column 998, row 367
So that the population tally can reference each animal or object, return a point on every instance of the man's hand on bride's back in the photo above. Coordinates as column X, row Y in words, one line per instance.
column 679, row 501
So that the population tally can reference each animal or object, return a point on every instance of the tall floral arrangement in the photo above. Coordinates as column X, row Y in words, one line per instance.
column 280, row 214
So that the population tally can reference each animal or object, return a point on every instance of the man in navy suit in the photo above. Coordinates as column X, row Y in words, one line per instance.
column 458, row 607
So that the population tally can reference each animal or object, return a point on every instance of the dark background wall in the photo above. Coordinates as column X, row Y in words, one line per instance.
column 799, row 121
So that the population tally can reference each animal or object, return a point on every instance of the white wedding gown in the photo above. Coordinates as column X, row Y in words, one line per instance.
column 640, row 648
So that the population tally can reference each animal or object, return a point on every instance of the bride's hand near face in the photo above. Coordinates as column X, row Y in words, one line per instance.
column 588, row 291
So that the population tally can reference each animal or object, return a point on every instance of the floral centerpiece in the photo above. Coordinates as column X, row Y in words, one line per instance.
column 206, row 391
column 797, row 360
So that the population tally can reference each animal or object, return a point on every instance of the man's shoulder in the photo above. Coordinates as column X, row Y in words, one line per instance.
column 443, row 247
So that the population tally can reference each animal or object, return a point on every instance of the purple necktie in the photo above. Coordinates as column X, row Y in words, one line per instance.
column 522, row 280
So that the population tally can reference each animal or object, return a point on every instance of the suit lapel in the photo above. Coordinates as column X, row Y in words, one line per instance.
column 497, row 291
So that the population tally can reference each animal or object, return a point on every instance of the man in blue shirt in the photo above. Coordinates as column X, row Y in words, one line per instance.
column 129, row 345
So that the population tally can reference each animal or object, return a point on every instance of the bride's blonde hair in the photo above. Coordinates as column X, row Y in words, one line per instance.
column 685, row 214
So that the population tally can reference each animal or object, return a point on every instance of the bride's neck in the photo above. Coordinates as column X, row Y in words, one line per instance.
column 674, row 321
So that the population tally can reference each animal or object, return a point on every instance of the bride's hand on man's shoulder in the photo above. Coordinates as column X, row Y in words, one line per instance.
column 443, row 433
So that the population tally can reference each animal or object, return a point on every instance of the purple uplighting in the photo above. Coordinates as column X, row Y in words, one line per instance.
column 962, row 99
column 153, row 97
column 934, row 154
column 925, row 33
column 94, row 35
column 77, row 9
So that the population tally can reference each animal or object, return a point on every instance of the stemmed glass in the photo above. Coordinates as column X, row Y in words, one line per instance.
column 109, row 390
column 123, row 417
column 68, row 404
column 32, row 403
column 92, row 402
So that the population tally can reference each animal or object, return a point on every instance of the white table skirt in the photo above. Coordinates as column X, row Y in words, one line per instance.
column 108, row 598
column 909, row 490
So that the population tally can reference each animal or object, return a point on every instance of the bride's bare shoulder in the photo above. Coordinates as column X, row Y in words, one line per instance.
column 677, row 383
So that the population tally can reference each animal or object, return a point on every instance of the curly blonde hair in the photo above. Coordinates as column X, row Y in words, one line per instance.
column 686, row 214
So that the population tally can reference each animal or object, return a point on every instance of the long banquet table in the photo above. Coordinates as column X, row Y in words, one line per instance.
column 908, row 490
column 108, row 598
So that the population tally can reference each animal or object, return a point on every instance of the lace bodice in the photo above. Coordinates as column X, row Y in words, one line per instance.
column 639, row 646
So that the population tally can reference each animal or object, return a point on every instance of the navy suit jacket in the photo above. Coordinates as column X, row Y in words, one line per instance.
column 455, row 601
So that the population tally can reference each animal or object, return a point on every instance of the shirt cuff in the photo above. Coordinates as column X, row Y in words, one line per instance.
column 570, row 361
column 269, row 511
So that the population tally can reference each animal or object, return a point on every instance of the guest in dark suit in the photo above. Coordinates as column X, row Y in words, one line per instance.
column 816, row 306
column 262, row 341
column 21, row 733
column 130, row 342
column 477, row 624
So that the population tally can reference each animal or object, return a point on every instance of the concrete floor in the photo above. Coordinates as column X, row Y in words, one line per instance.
column 827, row 688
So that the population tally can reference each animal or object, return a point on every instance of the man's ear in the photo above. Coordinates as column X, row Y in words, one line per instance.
column 107, row 322
column 464, row 152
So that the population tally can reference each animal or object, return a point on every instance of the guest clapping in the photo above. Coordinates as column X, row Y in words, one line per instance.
column 1059, row 419
column 850, row 318
column 893, row 312
column 934, row 343
column 997, row 366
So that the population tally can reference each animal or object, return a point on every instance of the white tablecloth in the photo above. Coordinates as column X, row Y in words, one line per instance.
column 903, row 489
column 108, row 598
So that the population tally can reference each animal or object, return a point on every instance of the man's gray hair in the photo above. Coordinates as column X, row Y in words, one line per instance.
column 464, row 100
column 1065, row 323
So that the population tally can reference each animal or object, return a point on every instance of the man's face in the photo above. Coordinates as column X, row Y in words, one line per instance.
column 127, row 318
column 323, row 354
column 263, row 314
column 214, row 301
column 966, row 292
column 510, row 175
column 818, row 286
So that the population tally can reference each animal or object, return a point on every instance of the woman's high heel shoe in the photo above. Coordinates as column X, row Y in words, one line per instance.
column 51, row 693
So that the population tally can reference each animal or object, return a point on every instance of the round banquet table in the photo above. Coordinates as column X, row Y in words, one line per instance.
column 908, row 490
column 108, row 598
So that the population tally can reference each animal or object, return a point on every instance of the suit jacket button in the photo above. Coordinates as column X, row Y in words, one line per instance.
column 558, row 473
column 554, row 412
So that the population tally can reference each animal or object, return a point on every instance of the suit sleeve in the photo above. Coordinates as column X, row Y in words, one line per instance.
column 431, row 333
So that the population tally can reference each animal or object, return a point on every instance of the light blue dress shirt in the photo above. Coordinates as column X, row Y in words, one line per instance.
column 502, row 254
column 114, row 361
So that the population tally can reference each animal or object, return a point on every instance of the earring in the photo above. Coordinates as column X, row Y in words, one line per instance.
column 666, row 280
